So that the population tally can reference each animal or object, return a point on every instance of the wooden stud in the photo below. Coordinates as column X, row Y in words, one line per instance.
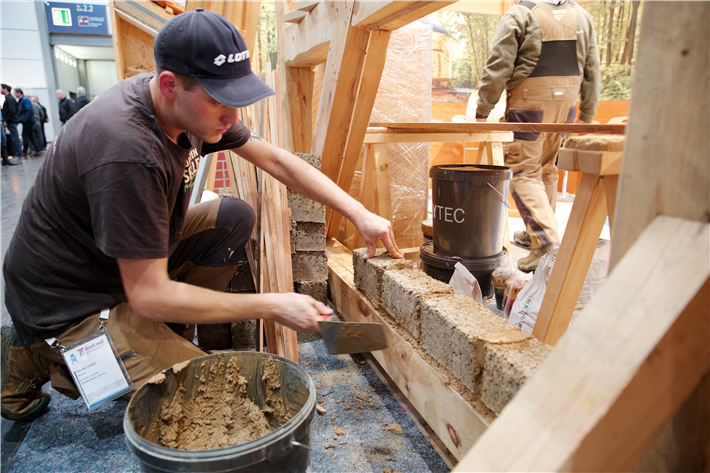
column 613, row 381
column 483, row 127
column 384, row 197
column 665, row 168
column 405, row 137
column 573, row 259
column 306, row 5
column 294, row 16
column 393, row 14
column 369, row 82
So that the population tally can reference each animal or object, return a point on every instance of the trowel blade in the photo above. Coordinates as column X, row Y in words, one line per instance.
column 343, row 338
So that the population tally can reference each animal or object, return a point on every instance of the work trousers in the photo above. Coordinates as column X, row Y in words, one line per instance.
column 28, row 138
column 211, row 245
column 16, row 143
column 532, row 156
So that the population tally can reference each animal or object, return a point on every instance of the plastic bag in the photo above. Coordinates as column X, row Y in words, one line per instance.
column 513, row 286
column 527, row 305
column 465, row 283
column 499, row 277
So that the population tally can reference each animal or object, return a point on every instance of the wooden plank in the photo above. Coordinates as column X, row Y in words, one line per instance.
column 456, row 423
column 294, row 16
column 384, row 196
column 118, row 46
column 369, row 83
column 343, row 71
column 617, row 376
column 611, row 184
column 306, row 5
column 298, row 107
column 573, row 259
column 483, row 127
column 594, row 162
column 391, row 15
column 405, row 137
column 497, row 7
column 306, row 43
column 666, row 169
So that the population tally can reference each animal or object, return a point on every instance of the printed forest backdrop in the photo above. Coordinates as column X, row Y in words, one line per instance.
column 616, row 25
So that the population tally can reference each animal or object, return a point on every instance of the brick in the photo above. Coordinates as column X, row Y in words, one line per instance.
column 404, row 291
column 244, row 334
column 304, row 209
column 312, row 159
column 316, row 289
column 368, row 273
column 452, row 326
column 310, row 266
column 308, row 236
column 214, row 336
column 507, row 367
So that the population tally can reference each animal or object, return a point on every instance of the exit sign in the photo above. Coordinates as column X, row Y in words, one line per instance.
column 76, row 18
column 61, row 16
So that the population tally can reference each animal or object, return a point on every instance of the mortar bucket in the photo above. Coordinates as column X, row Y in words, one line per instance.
column 470, row 204
column 287, row 448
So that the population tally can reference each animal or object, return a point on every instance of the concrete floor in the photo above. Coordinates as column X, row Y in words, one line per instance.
column 68, row 438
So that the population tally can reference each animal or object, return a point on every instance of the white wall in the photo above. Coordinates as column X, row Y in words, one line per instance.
column 21, row 60
column 101, row 75
column 67, row 73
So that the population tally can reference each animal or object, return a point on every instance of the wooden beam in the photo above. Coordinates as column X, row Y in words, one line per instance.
column 306, row 5
column 666, row 169
column 369, row 83
column 393, row 14
column 573, row 259
column 617, row 376
column 294, row 16
column 405, row 137
column 594, row 162
column 493, row 127
column 346, row 56
column 306, row 43
column 497, row 7
column 453, row 419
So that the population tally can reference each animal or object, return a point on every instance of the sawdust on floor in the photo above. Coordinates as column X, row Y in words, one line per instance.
column 220, row 414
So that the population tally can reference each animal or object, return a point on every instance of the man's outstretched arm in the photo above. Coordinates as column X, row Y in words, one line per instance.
column 304, row 179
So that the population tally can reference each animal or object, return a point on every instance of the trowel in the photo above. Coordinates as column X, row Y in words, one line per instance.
column 342, row 338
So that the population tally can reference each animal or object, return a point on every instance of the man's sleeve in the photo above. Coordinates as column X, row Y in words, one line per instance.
column 591, row 81
column 500, row 64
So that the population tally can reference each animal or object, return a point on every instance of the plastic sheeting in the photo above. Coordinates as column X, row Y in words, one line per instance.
column 404, row 95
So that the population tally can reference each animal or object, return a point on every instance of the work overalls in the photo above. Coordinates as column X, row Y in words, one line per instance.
column 548, row 95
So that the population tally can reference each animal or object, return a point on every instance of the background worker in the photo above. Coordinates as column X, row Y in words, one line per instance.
column 66, row 107
column 9, row 113
column 109, row 226
column 26, row 116
column 81, row 99
column 544, row 54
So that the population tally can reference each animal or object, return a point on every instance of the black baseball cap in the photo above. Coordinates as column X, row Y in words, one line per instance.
column 204, row 45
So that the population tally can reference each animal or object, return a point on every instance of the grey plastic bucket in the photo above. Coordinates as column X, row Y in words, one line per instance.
column 443, row 267
column 470, row 203
column 287, row 448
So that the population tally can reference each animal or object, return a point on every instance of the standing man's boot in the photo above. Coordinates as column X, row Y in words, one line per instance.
column 22, row 396
column 6, row 161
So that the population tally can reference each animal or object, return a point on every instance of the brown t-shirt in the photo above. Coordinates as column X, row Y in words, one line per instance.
column 112, row 186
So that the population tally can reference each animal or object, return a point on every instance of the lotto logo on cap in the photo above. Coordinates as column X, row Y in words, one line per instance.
column 205, row 46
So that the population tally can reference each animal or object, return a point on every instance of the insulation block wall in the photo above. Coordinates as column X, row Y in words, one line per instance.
column 488, row 355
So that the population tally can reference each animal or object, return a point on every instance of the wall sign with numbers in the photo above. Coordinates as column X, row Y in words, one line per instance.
column 81, row 18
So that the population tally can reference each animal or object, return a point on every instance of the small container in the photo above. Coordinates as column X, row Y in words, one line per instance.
column 500, row 277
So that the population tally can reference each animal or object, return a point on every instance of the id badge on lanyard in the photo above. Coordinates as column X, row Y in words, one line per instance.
column 96, row 366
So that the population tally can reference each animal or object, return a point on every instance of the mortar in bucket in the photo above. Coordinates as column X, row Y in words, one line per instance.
column 470, row 203
column 286, row 448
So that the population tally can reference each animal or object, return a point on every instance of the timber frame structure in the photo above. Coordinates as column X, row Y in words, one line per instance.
column 639, row 359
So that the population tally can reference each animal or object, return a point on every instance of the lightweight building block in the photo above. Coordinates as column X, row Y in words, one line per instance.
column 310, row 266
column 454, row 328
column 368, row 273
column 403, row 293
column 507, row 367
column 307, row 236
column 304, row 209
column 316, row 289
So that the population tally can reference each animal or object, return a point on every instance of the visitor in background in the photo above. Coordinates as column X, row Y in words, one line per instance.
column 44, row 119
column 38, row 140
column 26, row 116
column 9, row 112
column 81, row 99
column 66, row 107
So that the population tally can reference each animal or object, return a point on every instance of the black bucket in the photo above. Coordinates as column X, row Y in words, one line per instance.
column 442, row 267
column 286, row 448
column 470, row 204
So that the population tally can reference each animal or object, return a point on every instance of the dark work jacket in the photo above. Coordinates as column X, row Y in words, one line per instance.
column 80, row 103
column 9, row 109
column 66, row 109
